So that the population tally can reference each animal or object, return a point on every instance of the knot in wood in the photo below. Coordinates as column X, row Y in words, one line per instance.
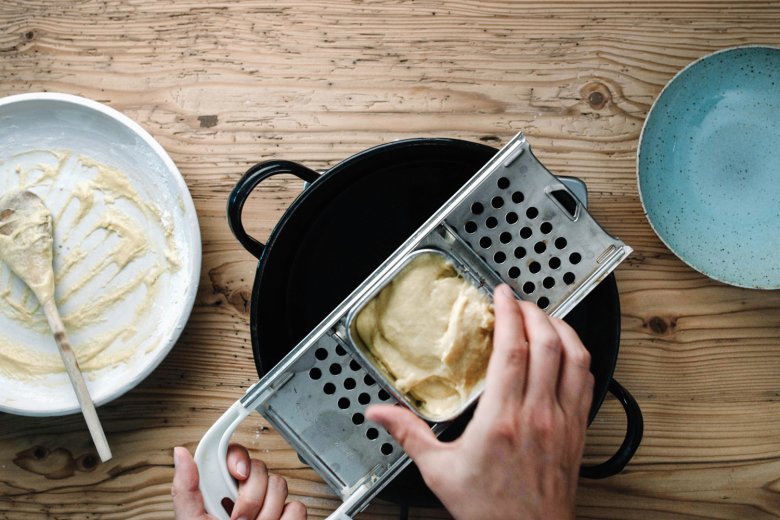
column 596, row 98
column 87, row 462
column 596, row 94
column 658, row 325
column 53, row 464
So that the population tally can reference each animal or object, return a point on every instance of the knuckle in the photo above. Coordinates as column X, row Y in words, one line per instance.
column 562, row 323
column 401, row 434
column 504, row 431
column 581, row 358
column 550, row 343
column 528, row 307
column 516, row 354
column 278, row 484
column 404, row 434
column 296, row 509
column 543, row 423
column 586, row 357
column 248, row 503
column 258, row 466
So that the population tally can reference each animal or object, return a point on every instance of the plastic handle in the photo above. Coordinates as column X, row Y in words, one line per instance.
column 634, row 430
column 337, row 515
column 340, row 513
column 216, row 483
column 241, row 191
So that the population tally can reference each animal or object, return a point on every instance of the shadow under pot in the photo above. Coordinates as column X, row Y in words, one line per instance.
column 349, row 220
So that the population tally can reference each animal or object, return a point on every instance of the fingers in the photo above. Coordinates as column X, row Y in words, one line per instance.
column 506, row 373
column 238, row 462
column 536, row 357
column 294, row 511
column 411, row 432
column 260, row 495
column 251, row 492
column 544, row 356
column 575, row 388
column 274, row 498
column 187, row 499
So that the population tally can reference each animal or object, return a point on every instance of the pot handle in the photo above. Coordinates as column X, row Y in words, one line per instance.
column 634, row 430
column 254, row 176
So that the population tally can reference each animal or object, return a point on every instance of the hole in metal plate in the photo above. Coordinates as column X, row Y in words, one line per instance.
column 350, row 394
column 566, row 201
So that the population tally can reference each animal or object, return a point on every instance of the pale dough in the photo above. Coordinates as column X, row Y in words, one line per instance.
column 432, row 331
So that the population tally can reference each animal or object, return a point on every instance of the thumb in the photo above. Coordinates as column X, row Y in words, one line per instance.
column 411, row 432
column 187, row 499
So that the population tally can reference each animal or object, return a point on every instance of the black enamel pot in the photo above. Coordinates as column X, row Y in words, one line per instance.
column 347, row 222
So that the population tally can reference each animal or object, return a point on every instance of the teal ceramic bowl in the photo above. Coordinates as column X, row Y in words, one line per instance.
column 708, row 166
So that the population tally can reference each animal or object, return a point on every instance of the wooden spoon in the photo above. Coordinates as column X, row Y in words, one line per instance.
column 26, row 246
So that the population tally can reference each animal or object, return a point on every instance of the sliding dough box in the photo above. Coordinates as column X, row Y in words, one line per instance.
column 379, row 370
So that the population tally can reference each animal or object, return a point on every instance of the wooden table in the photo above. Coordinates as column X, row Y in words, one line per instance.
column 222, row 85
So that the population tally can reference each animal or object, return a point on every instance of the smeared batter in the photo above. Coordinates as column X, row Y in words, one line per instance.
column 433, row 331
column 101, row 212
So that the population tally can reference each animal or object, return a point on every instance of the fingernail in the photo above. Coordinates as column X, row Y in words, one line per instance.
column 505, row 291
column 176, row 456
column 241, row 469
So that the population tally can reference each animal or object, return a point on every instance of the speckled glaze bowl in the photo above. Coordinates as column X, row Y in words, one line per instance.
column 708, row 166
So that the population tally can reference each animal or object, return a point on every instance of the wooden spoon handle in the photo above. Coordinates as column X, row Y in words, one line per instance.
column 77, row 380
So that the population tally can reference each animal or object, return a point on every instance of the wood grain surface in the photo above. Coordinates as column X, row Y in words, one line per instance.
column 222, row 85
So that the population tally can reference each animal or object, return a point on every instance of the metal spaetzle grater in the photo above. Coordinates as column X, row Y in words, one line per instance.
column 512, row 222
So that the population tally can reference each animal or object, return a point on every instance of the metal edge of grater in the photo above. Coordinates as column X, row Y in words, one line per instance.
column 513, row 222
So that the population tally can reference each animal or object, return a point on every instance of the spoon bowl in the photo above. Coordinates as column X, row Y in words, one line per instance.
column 26, row 241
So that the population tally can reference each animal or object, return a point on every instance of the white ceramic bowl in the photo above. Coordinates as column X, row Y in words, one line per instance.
column 48, row 141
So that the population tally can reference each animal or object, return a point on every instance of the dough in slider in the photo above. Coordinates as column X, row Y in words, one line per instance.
column 432, row 331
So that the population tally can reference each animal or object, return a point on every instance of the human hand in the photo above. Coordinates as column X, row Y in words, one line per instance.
column 260, row 495
column 519, row 457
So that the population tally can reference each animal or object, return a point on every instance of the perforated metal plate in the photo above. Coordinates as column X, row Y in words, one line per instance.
column 534, row 233
column 320, row 407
